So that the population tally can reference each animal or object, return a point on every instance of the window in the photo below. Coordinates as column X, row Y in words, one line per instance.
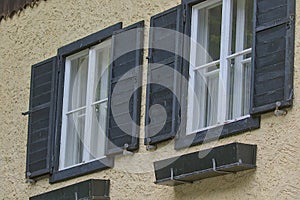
column 220, row 63
column 85, row 105
column 71, row 128
column 236, row 60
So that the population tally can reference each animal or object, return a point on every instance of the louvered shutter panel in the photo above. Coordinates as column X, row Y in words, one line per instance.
column 273, row 55
column 165, row 49
column 41, row 120
column 125, row 91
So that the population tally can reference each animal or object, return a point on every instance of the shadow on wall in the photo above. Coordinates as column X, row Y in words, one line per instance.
column 239, row 184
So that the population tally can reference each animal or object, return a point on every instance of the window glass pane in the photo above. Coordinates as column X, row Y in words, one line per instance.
column 214, row 31
column 212, row 99
column 198, row 110
column 209, row 34
column 233, row 33
column 248, row 24
column 75, row 138
column 205, row 107
column 246, row 89
column 242, row 20
column 99, row 130
column 102, row 72
column 78, row 82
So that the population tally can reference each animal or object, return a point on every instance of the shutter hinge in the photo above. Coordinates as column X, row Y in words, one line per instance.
column 290, row 21
column 291, row 97
column 29, row 180
column 59, row 64
column 184, row 13
column 51, row 170
column 150, row 147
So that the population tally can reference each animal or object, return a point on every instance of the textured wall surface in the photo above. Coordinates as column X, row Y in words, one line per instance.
column 37, row 33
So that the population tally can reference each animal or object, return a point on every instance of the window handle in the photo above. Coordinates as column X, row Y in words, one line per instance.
column 26, row 113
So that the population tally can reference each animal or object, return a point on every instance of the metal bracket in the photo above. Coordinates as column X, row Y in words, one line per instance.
column 279, row 112
column 219, row 171
column 151, row 147
column 28, row 180
column 125, row 150
column 178, row 181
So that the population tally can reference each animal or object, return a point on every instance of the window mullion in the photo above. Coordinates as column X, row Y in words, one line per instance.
column 87, row 139
column 63, row 146
column 224, row 76
column 238, row 68
column 194, row 43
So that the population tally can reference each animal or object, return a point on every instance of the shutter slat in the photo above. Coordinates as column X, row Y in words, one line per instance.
column 273, row 55
column 272, row 14
column 125, row 92
column 164, row 51
column 37, row 145
column 41, row 120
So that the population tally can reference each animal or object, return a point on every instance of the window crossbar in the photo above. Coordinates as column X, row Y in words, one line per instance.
column 75, row 110
column 244, row 52
column 212, row 73
column 211, row 64
column 100, row 101
column 246, row 61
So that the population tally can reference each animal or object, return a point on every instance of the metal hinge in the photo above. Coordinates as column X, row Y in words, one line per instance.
column 29, row 180
column 125, row 150
column 278, row 111
column 59, row 64
column 51, row 170
column 184, row 13
column 150, row 147
column 290, row 22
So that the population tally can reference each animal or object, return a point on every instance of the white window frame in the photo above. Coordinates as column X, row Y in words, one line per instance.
column 224, row 62
column 88, row 106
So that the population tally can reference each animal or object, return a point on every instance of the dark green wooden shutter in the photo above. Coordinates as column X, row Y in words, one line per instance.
column 126, row 73
column 41, row 120
column 165, row 49
column 273, row 55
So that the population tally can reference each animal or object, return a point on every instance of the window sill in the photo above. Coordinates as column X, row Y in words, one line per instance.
column 81, row 170
column 225, row 130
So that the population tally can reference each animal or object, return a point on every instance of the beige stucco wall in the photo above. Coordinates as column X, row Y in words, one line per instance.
column 37, row 33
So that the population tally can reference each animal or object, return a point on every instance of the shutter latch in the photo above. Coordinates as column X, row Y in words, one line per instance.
column 29, row 180
column 279, row 112
column 125, row 150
